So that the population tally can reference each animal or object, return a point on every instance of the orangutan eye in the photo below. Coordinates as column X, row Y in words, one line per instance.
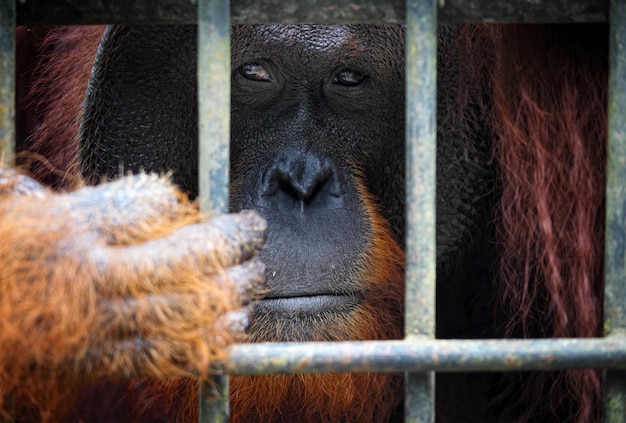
column 255, row 72
column 348, row 78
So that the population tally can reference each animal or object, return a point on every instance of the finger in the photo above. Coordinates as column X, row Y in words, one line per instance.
column 249, row 278
column 173, row 261
column 244, row 232
column 163, row 315
column 158, row 355
column 130, row 209
column 236, row 322
column 143, row 357
column 14, row 184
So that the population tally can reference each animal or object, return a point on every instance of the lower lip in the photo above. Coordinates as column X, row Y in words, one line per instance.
column 313, row 304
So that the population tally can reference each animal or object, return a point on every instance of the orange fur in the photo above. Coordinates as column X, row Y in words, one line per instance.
column 115, row 281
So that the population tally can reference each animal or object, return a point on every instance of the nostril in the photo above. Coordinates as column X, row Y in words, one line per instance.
column 303, row 180
column 304, row 185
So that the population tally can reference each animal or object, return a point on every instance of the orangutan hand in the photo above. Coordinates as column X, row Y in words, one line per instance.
column 119, row 280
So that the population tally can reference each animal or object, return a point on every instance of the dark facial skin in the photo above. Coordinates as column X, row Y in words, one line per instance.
column 323, row 118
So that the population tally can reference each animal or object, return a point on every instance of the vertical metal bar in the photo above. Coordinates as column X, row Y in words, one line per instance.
column 7, row 110
column 421, row 67
column 214, row 148
column 7, row 82
column 615, row 268
column 214, row 401
column 214, row 103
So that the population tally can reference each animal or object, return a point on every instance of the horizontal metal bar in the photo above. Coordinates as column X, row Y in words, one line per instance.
column 557, row 11
column 421, row 355
column 306, row 11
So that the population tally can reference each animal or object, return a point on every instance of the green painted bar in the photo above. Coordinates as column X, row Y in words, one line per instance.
column 214, row 147
column 421, row 151
column 615, row 261
column 7, row 82
column 456, row 355
column 213, row 399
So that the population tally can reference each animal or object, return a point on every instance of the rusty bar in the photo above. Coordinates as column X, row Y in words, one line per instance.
column 615, row 263
column 7, row 82
column 414, row 355
column 421, row 151
column 307, row 11
column 456, row 355
column 214, row 149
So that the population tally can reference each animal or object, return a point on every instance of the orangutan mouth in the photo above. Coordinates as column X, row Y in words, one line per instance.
column 307, row 304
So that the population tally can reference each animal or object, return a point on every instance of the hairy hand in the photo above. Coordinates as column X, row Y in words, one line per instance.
column 123, row 279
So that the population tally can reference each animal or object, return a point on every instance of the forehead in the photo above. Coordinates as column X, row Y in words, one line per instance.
column 300, row 42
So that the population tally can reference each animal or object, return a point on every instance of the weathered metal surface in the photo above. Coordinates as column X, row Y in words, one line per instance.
column 563, row 11
column 106, row 12
column 214, row 147
column 427, row 355
column 213, row 399
column 421, row 152
column 318, row 11
column 615, row 269
column 7, row 82
column 614, row 396
column 615, row 257
column 214, row 104
column 308, row 11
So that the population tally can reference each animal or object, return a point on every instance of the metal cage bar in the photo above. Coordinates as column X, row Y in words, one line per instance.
column 7, row 82
column 213, row 104
column 441, row 355
column 615, row 251
column 421, row 138
column 214, row 150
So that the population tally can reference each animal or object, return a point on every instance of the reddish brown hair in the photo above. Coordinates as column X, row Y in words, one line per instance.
column 549, row 113
column 51, row 101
